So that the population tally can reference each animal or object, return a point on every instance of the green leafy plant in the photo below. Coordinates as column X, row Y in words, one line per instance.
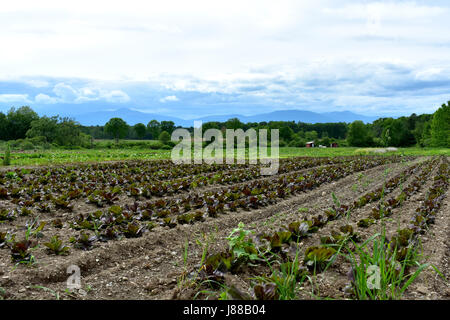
column 54, row 293
column 365, row 223
column 21, row 251
column 241, row 245
column 266, row 291
column 3, row 294
column 299, row 229
column 84, row 241
column 62, row 202
column 34, row 229
column 7, row 215
column 56, row 246
column 318, row 258
column 110, row 233
column 133, row 230
column 394, row 277
column 6, row 238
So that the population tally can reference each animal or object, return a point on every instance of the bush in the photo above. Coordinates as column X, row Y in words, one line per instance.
column 37, row 141
column 15, row 143
column 86, row 140
column 298, row 143
column 343, row 143
column 171, row 144
column 27, row 145
column 378, row 142
column 7, row 158
column 164, row 137
column 46, row 146
column 282, row 143
column 156, row 145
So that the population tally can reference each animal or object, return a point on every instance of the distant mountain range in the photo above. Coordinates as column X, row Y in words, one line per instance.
column 132, row 117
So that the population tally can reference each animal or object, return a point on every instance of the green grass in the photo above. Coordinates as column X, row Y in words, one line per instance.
column 46, row 157
column 394, row 277
column 56, row 156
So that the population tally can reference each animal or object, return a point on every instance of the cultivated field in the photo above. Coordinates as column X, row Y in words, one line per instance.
column 147, row 229
column 58, row 156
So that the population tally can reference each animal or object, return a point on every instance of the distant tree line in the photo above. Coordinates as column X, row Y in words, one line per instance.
column 426, row 130
column 24, row 127
column 115, row 128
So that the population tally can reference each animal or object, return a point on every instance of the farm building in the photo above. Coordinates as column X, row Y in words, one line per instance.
column 310, row 144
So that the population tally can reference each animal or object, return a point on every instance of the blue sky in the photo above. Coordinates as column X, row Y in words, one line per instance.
column 195, row 58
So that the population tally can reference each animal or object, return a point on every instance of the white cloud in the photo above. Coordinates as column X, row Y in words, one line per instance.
column 45, row 99
column 36, row 83
column 431, row 74
column 392, row 10
column 68, row 94
column 11, row 98
column 285, row 52
column 115, row 96
column 86, row 39
column 168, row 99
column 65, row 92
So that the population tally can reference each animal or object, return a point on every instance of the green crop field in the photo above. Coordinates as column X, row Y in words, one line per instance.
column 56, row 156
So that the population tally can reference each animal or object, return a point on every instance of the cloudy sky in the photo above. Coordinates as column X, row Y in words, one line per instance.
column 195, row 58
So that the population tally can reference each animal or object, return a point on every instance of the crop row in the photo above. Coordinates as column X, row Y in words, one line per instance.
column 316, row 257
column 399, row 251
column 277, row 247
column 384, row 208
column 133, row 220
column 60, row 187
column 195, row 207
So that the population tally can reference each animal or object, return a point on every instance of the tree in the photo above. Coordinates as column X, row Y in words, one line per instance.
column 425, row 141
column 164, row 137
column 140, row 130
column 19, row 122
column 396, row 134
column 44, row 127
column 116, row 127
column 62, row 131
column 154, row 128
column 358, row 135
column 210, row 125
column 311, row 135
column 440, row 127
column 233, row 123
column 3, row 127
column 68, row 133
column 168, row 126
column 286, row 133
